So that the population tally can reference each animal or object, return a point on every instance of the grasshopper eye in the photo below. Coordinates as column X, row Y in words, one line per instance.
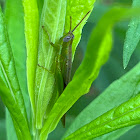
column 67, row 38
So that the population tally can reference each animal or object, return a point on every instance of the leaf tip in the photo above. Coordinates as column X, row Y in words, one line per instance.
column 125, row 65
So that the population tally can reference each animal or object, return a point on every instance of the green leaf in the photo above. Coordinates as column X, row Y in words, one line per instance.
column 15, row 22
column 53, row 20
column 132, row 134
column 31, row 20
column 111, row 97
column 126, row 114
column 2, row 129
column 11, row 133
column 16, row 111
column 114, row 134
column 132, row 37
column 40, row 6
column 88, row 70
column 74, row 7
column 10, row 91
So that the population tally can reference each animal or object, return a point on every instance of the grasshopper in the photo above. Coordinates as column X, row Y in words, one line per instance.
column 64, row 58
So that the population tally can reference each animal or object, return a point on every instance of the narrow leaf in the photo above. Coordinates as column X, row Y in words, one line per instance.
column 31, row 19
column 15, row 22
column 10, row 91
column 2, row 129
column 11, row 132
column 132, row 36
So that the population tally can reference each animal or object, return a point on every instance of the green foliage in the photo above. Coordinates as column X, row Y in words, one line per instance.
column 132, row 37
column 10, row 90
column 11, row 133
column 126, row 114
column 108, row 100
column 26, row 50
column 132, row 134
column 2, row 130
column 17, row 40
column 88, row 70
column 31, row 20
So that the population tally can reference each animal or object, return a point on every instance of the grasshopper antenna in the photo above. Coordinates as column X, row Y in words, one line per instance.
column 81, row 21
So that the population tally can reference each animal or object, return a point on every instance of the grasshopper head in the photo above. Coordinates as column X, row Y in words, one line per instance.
column 68, row 37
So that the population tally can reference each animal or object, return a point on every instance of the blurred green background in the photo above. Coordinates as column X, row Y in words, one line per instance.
column 111, row 71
